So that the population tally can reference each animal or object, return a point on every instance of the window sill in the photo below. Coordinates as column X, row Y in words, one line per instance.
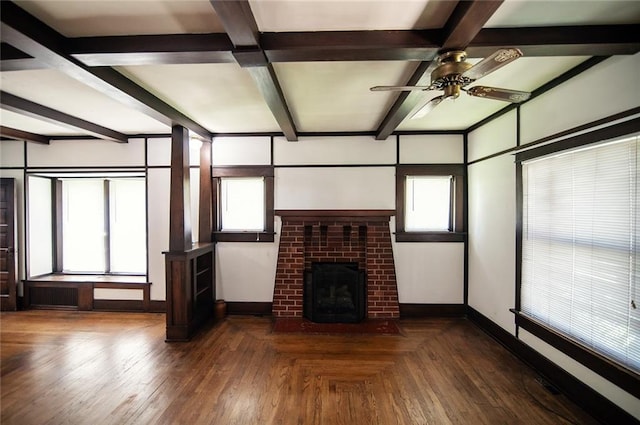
column 621, row 376
column 430, row 237
column 244, row 236
column 100, row 279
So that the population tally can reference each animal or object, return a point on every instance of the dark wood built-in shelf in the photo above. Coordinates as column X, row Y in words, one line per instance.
column 189, row 267
column 75, row 291
column 190, row 290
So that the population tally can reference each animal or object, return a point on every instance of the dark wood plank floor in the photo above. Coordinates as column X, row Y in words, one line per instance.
column 113, row 368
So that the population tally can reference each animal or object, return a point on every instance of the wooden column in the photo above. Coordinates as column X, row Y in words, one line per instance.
column 205, row 203
column 180, row 203
column 188, row 267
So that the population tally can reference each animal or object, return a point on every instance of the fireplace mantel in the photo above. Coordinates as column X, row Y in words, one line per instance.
column 336, row 215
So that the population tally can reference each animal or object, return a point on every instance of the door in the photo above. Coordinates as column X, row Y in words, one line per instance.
column 7, row 244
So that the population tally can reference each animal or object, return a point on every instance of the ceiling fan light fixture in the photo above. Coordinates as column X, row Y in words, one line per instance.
column 452, row 91
column 453, row 73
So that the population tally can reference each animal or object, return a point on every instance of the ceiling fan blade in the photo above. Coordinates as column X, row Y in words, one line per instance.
column 495, row 61
column 399, row 88
column 513, row 96
column 427, row 107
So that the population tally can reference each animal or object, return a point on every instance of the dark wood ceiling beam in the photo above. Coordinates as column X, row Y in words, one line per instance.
column 33, row 37
column 238, row 21
column 466, row 20
column 15, row 134
column 12, row 59
column 43, row 113
column 151, row 49
column 408, row 45
column 241, row 26
column 589, row 40
column 405, row 103
column 7, row 51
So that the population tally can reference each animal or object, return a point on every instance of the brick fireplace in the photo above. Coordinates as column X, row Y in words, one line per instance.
column 353, row 236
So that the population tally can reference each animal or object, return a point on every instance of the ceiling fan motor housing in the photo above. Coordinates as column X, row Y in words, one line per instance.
column 448, row 75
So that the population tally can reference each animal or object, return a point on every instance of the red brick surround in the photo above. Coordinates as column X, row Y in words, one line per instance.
column 362, row 237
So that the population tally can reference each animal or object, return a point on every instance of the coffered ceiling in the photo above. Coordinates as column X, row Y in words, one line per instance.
column 114, row 69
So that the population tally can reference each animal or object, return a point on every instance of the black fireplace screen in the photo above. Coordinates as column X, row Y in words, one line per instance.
column 334, row 293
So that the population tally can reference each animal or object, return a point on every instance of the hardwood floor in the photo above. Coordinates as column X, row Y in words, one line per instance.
column 115, row 368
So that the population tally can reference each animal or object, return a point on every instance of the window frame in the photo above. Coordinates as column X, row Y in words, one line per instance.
column 457, row 207
column 58, row 219
column 608, row 368
column 267, row 173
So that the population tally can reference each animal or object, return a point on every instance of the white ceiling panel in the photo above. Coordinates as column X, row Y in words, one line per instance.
column 525, row 74
column 350, row 15
column 336, row 95
column 125, row 17
column 55, row 90
column 221, row 97
column 22, row 122
column 322, row 96
column 534, row 13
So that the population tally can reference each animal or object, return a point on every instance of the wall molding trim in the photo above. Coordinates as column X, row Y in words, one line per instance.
column 408, row 311
column 239, row 308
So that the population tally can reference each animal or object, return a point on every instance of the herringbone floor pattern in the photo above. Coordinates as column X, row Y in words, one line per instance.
column 114, row 368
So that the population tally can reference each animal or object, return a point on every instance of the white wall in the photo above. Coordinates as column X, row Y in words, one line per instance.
column 241, row 151
column 353, row 172
column 66, row 155
column 346, row 172
column 334, row 151
column 429, row 273
column 158, row 191
column 11, row 153
column 432, row 149
column 492, row 218
column 86, row 153
column 40, row 226
column 335, row 188
column 246, row 272
column 610, row 87
column 492, row 201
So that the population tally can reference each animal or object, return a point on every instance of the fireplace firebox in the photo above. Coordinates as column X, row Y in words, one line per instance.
column 334, row 292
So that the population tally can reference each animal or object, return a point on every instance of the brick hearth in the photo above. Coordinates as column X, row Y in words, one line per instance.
column 361, row 237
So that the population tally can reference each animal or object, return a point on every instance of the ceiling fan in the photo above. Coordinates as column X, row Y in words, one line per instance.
column 452, row 74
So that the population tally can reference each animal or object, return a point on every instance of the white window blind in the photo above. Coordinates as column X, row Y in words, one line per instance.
column 84, row 231
column 428, row 203
column 242, row 204
column 128, row 226
column 580, row 244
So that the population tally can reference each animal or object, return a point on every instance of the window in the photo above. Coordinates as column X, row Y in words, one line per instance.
column 103, row 226
column 578, row 247
column 243, row 204
column 429, row 203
